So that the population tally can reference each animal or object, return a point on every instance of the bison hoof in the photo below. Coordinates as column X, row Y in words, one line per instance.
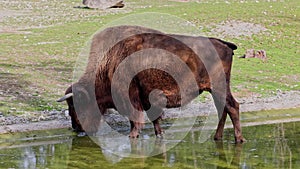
column 133, row 135
column 240, row 140
column 81, row 134
column 217, row 138
column 160, row 135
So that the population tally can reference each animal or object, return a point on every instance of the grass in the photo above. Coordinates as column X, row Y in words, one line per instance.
column 42, row 40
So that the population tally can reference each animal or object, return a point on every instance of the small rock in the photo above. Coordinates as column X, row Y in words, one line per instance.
column 13, row 109
column 52, row 113
column 101, row 4
column 81, row 134
column 66, row 112
column 41, row 118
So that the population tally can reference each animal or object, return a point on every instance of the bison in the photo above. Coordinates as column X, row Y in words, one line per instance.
column 181, row 68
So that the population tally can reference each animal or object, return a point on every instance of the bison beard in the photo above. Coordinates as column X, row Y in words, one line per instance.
column 212, row 75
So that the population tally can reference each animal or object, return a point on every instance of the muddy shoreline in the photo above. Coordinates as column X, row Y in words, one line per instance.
column 60, row 119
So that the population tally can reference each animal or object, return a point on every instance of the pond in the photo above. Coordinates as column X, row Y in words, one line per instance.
column 268, row 146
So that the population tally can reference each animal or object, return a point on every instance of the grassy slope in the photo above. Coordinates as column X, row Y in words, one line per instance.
column 36, row 64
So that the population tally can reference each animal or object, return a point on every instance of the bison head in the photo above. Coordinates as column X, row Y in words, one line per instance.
column 82, row 108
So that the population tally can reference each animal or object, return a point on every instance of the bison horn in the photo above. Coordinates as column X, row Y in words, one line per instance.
column 65, row 97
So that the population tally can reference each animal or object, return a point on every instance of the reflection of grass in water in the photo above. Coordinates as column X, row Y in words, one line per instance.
column 282, row 151
column 268, row 146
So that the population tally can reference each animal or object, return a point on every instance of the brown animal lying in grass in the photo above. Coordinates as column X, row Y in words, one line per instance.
column 251, row 53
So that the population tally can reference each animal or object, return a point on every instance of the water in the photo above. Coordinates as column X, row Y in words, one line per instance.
column 268, row 146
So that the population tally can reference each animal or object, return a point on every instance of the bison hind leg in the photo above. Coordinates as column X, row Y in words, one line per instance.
column 228, row 106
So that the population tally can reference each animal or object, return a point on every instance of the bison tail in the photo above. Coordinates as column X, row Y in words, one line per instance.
column 231, row 45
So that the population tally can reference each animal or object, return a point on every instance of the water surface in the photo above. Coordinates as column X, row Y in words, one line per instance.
column 268, row 146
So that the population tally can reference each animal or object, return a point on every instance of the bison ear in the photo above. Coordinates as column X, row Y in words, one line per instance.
column 65, row 97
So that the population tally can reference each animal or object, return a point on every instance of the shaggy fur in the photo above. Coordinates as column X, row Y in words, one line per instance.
column 169, row 84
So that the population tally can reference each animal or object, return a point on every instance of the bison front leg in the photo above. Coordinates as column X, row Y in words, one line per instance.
column 135, row 128
column 154, row 114
column 136, row 123
column 157, row 129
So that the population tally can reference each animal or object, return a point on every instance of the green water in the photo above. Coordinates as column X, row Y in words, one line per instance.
column 268, row 146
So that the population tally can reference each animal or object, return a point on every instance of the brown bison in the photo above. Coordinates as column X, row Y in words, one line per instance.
column 132, row 69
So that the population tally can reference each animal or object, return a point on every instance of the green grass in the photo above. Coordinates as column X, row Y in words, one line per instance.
column 37, row 61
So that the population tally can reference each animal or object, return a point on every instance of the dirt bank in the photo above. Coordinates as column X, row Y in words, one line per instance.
column 60, row 119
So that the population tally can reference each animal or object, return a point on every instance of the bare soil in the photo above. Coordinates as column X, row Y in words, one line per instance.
column 237, row 29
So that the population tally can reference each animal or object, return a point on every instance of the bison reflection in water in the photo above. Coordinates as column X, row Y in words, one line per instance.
column 165, row 84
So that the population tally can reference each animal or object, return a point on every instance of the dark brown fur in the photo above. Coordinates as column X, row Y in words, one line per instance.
column 105, row 59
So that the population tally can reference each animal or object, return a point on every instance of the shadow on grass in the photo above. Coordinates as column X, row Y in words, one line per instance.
column 12, row 86
column 18, row 95
column 84, row 7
